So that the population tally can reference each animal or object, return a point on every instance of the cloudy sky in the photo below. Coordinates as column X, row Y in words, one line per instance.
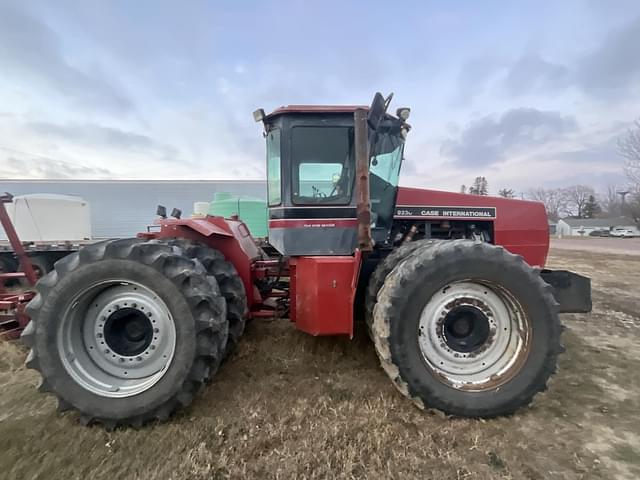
column 526, row 93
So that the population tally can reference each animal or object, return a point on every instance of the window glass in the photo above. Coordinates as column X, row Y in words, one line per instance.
column 274, row 188
column 322, row 165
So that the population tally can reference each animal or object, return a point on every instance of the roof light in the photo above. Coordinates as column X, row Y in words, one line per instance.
column 403, row 113
column 259, row 115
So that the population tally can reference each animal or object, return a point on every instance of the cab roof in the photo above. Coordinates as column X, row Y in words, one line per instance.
column 315, row 109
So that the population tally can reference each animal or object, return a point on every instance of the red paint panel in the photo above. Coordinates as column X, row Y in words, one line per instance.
column 322, row 293
column 313, row 223
column 520, row 226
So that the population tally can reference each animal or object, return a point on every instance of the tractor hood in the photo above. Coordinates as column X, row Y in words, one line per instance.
column 521, row 226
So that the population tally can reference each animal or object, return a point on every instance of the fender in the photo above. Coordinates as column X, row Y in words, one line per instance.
column 230, row 236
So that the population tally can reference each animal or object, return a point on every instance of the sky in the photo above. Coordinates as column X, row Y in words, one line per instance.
column 525, row 93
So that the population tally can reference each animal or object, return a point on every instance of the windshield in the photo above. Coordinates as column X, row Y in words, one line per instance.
column 383, row 178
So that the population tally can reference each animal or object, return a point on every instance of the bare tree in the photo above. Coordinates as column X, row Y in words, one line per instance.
column 554, row 200
column 577, row 197
column 629, row 148
column 632, row 207
column 507, row 192
column 610, row 201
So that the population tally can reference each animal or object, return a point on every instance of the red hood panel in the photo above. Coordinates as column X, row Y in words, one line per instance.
column 521, row 226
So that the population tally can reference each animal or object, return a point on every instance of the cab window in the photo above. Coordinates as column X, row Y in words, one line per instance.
column 323, row 165
column 274, row 184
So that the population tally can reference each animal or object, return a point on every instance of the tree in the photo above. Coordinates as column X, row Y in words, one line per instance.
column 463, row 188
column 610, row 202
column 632, row 207
column 629, row 148
column 554, row 200
column 507, row 192
column 577, row 197
column 480, row 187
column 591, row 208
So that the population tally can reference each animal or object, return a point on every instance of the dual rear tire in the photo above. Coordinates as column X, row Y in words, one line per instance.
column 127, row 331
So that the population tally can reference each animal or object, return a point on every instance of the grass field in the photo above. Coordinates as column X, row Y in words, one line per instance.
column 291, row 406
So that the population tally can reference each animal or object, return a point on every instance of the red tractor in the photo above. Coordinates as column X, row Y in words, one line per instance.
column 451, row 286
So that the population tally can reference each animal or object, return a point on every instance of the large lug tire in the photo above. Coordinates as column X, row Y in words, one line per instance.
column 125, row 331
column 380, row 273
column 231, row 286
column 467, row 328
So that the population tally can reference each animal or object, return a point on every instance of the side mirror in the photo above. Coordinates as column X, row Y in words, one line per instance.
column 176, row 213
column 378, row 108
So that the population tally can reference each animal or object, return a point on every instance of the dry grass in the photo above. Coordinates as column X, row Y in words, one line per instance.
column 291, row 406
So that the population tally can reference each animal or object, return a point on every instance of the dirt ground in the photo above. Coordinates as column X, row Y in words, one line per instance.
column 621, row 246
column 291, row 406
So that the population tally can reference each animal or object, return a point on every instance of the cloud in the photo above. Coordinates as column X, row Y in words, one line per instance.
column 531, row 73
column 614, row 67
column 31, row 49
column 487, row 141
column 101, row 137
column 473, row 78
column 42, row 167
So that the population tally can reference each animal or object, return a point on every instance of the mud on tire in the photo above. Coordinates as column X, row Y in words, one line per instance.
column 380, row 273
column 125, row 331
column 231, row 286
column 467, row 328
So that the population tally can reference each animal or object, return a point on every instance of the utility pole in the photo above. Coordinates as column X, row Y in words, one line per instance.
column 623, row 194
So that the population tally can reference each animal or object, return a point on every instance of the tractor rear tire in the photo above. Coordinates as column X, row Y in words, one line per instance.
column 467, row 328
column 231, row 286
column 125, row 331
column 380, row 273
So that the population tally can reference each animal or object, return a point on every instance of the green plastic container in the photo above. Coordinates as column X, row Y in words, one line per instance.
column 252, row 211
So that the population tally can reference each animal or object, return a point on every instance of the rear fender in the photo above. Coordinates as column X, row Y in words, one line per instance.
column 229, row 236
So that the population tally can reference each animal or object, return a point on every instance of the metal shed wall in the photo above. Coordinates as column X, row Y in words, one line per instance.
column 124, row 208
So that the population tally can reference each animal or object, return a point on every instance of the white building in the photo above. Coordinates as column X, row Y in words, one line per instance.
column 121, row 208
column 582, row 227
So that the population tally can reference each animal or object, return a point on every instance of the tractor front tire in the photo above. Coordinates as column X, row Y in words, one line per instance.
column 467, row 328
column 125, row 331
column 231, row 286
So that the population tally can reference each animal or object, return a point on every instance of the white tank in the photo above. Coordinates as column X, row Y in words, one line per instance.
column 200, row 209
column 43, row 217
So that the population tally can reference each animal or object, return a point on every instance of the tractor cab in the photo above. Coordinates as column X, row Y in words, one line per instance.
column 319, row 194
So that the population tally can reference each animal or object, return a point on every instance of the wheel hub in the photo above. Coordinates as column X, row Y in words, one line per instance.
column 466, row 328
column 128, row 332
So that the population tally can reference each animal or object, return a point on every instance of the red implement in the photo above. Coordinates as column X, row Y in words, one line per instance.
column 13, row 318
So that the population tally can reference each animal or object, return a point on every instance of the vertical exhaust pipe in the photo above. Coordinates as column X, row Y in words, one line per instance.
column 363, row 207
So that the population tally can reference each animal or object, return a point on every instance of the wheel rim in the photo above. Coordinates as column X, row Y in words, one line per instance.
column 474, row 335
column 116, row 339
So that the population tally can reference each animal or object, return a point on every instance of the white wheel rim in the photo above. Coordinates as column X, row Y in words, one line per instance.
column 474, row 335
column 93, row 362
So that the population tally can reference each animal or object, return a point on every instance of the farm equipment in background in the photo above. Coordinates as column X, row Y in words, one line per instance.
column 13, row 302
column 451, row 287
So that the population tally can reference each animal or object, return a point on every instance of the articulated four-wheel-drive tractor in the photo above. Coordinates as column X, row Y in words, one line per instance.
column 451, row 287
